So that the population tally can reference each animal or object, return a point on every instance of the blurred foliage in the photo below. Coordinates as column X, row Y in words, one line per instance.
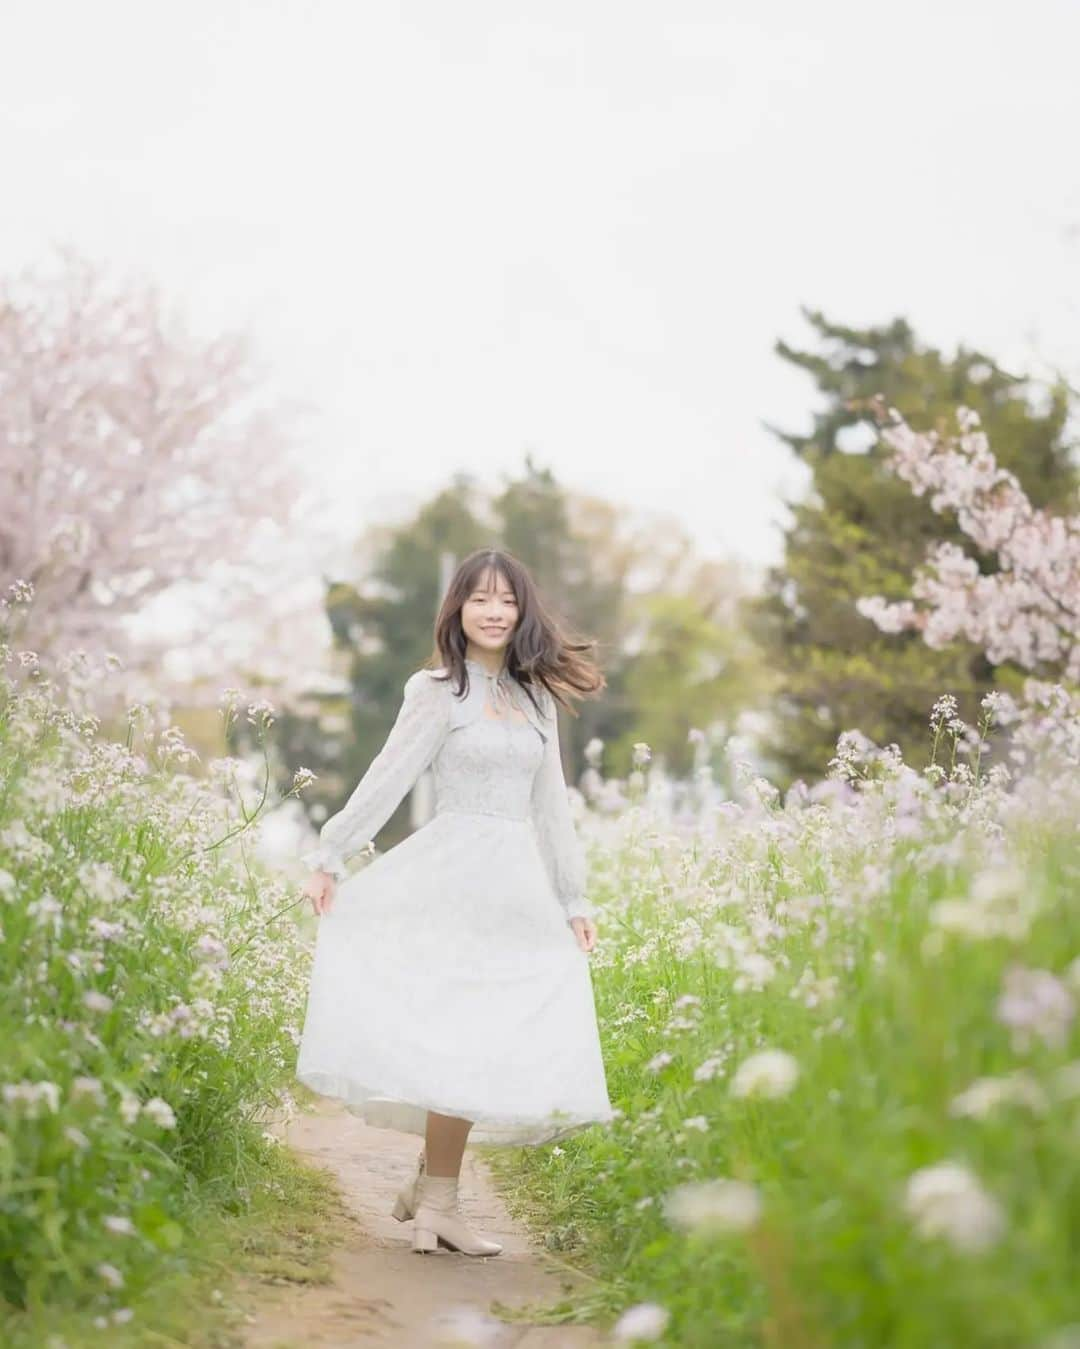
column 860, row 531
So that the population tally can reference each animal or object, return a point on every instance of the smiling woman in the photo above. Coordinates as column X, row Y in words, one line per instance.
column 449, row 991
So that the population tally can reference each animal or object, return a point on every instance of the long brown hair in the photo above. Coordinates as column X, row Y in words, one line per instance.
column 541, row 650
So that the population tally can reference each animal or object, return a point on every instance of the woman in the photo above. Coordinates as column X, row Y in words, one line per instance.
column 450, row 990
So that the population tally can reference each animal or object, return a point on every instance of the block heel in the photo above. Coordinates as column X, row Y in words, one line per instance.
column 437, row 1219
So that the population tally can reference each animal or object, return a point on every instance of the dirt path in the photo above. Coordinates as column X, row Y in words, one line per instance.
column 385, row 1295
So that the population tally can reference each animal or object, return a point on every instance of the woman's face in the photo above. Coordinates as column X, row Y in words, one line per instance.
column 490, row 613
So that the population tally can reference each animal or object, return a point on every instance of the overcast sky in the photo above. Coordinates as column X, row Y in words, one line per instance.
column 466, row 230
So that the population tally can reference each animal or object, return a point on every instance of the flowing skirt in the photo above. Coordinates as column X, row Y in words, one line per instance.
column 447, row 978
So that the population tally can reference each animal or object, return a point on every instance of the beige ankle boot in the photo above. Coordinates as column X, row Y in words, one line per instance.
column 405, row 1204
column 439, row 1221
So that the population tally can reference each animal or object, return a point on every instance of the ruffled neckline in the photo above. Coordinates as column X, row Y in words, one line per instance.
column 503, row 675
column 501, row 685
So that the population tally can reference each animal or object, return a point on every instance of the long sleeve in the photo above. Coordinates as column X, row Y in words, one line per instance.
column 553, row 822
column 410, row 746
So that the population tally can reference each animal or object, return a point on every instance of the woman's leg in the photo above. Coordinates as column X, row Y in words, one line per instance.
column 444, row 1143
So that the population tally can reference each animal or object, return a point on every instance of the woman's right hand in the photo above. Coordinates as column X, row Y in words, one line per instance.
column 320, row 888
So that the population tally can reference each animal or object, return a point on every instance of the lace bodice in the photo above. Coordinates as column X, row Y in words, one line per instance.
column 489, row 751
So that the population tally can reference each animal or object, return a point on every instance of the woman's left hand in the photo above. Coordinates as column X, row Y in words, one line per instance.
column 585, row 931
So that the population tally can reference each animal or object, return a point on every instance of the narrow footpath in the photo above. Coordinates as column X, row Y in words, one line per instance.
column 385, row 1295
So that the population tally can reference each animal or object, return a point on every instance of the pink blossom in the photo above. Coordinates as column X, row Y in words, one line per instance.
column 1029, row 610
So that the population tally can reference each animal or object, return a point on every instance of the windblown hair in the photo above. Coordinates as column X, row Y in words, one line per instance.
column 541, row 652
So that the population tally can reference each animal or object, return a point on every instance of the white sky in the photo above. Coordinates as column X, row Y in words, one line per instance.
column 463, row 230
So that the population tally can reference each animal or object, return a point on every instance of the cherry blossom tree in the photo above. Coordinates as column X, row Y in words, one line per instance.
column 136, row 460
column 1028, row 610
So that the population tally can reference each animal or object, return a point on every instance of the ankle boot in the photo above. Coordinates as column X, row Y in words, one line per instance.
column 405, row 1204
column 438, row 1220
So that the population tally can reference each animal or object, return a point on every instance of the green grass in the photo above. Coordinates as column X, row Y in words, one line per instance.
column 284, row 1231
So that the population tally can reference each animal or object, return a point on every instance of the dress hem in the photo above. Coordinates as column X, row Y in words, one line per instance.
column 407, row 1114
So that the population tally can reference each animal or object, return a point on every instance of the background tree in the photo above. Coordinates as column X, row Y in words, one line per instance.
column 694, row 669
column 135, row 460
column 668, row 627
column 859, row 531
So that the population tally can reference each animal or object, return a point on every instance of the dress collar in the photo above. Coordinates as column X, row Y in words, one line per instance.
column 501, row 684
column 475, row 667
column 504, row 689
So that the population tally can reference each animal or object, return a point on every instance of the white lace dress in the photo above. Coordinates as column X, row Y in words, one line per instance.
column 446, row 976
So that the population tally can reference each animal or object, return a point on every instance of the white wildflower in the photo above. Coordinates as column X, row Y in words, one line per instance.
column 1001, row 706
column 999, row 883
column 212, row 949
column 111, row 1275
column 713, row 1206
column 811, row 991
column 772, row 1073
column 261, row 713
column 119, row 1225
column 979, row 919
column 1035, row 1004
column 646, row 1321
column 101, row 882
column 709, row 1068
column 129, row 1106
column 31, row 1096
column 943, row 714
column 161, row 1112
column 948, row 1201
column 755, row 971
column 986, row 1094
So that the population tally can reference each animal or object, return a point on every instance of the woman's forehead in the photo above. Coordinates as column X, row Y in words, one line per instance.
column 492, row 580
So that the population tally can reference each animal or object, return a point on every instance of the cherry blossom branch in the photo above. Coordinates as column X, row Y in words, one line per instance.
column 1029, row 610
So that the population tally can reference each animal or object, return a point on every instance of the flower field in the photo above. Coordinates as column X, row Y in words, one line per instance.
column 841, row 1030
column 149, row 1009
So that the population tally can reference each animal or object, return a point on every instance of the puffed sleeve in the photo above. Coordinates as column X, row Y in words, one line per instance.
column 553, row 822
column 410, row 746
